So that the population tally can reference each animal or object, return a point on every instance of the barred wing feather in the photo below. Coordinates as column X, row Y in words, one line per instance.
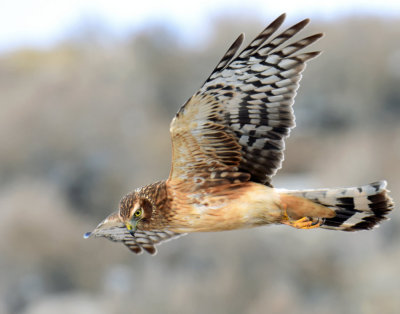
column 234, row 127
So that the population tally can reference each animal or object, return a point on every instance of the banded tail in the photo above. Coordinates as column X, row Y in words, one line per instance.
column 356, row 208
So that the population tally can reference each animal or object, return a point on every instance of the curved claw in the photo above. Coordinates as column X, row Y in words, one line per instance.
column 302, row 223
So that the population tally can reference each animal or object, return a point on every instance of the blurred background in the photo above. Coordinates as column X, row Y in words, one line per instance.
column 88, row 89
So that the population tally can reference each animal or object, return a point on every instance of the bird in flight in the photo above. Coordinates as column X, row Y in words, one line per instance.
column 227, row 143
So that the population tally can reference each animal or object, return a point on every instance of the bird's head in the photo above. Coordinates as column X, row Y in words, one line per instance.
column 134, row 211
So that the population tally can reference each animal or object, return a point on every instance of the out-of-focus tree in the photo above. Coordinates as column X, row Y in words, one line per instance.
column 86, row 121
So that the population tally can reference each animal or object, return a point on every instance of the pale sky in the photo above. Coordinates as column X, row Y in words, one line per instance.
column 40, row 23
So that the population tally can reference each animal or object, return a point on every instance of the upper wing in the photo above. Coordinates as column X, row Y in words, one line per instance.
column 234, row 127
column 113, row 229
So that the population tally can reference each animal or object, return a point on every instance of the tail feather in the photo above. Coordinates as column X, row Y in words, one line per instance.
column 357, row 208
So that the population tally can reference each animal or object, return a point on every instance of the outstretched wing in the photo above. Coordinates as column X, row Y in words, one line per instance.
column 113, row 229
column 142, row 241
column 234, row 127
column 147, row 240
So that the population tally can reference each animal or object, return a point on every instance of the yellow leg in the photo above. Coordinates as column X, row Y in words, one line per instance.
column 302, row 223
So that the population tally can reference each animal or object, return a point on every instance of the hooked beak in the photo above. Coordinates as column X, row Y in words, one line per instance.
column 131, row 228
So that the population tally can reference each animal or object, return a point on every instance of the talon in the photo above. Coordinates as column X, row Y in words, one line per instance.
column 302, row 223
column 318, row 222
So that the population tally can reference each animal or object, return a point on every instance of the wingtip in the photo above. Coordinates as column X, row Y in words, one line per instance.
column 277, row 22
column 282, row 16
column 318, row 36
column 87, row 235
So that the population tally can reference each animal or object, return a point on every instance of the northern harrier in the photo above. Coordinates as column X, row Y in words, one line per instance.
column 227, row 143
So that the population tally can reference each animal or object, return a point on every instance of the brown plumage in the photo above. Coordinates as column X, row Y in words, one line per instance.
column 227, row 143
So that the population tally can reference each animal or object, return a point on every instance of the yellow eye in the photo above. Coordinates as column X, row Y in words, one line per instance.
column 138, row 213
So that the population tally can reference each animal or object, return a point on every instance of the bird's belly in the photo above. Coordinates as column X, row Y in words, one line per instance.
column 248, row 206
